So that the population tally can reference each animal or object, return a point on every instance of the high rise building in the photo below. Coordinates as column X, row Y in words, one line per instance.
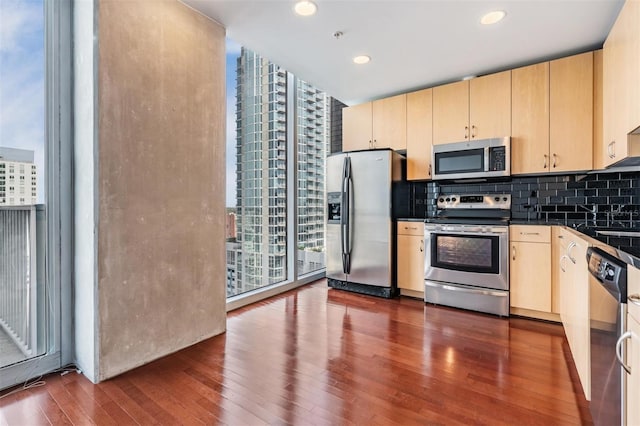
column 18, row 177
column 262, row 149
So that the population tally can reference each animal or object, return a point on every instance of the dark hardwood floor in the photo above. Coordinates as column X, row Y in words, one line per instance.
column 322, row 356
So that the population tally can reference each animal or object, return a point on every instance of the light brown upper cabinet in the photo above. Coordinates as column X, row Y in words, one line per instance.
column 621, row 86
column 571, row 113
column 377, row 124
column 419, row 134
column 552, row 128
column 479, row 108
column 530, row 119
column 357, row 127
column 598, row 152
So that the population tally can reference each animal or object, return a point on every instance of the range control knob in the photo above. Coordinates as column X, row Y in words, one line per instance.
column 448, row 199
column 453, row 199
column 497, row 198
column 504, row 199
column 610, row 272
column 441, row 200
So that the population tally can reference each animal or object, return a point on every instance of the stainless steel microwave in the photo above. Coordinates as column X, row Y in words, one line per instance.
column 484, row 158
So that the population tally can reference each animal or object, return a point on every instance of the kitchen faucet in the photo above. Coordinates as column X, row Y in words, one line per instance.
column 593, row 210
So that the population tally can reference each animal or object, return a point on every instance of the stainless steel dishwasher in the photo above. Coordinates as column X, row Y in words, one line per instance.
column 608, row 311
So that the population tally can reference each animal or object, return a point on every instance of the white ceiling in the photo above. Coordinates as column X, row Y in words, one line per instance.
column 413, row 44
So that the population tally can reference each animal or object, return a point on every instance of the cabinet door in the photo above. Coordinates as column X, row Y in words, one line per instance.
column 411, row 262
column 598, row 158
column 530, row 276
column 357, row 127
column 390, row 122
column 451, row 113
column 633, row 380
column 613, row 94
column 530, row 119
column 419, row 134
column 558, row 249
column 575, row 311
column 571, row 113
column 490, row 106
column 632, row 53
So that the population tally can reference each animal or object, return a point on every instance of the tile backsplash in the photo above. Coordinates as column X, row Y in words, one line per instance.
column 601, row 199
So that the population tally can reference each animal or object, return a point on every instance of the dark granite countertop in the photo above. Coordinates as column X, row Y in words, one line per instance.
column 412, row 219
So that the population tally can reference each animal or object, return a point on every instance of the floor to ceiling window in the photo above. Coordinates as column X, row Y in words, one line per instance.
column 277, row 140
column 34, row 86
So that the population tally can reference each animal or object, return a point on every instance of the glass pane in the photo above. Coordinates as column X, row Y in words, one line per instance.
column 313, row 135
column 466, row 253
column 257, row 204
column 22, row 197
column 463, row 161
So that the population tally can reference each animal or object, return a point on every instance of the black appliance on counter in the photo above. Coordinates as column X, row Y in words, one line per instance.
column 466, row 253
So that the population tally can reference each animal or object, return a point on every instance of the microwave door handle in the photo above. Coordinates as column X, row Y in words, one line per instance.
column 486, row 158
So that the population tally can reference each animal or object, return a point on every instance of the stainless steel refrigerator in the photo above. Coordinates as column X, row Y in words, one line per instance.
column 360, row 222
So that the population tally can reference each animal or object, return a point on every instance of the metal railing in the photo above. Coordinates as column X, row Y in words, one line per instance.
column 18, row 296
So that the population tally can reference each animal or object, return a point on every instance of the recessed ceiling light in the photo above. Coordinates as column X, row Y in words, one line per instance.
column 362, row 59
column 305, row 8
column 493, row 17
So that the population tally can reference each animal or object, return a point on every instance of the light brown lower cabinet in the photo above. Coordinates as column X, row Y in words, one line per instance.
column 410, row 256
column 530, row 267
column 633, row 347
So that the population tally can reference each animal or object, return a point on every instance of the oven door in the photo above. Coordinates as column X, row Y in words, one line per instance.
column 468, row 255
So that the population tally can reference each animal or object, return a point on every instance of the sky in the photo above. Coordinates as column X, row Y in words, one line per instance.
column 233, row 51
column 22, row 79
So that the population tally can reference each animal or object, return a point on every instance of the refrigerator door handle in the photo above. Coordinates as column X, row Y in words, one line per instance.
column 344, row 217
column 348, row 240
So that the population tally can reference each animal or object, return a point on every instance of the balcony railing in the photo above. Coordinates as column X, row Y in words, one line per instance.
column 18, row 296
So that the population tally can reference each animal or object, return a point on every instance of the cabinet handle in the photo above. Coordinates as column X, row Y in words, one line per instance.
column 544, row 165
column 622, row 338
column 563, row 257
column 555, row 158
column 466, row 132
column 529, row 233
column 375, row 143
column 611, row 149
column 570, row 247
column 635, row 299
column 561, row 237
column 370, row 144
column 412, row 227
column 473, row 131
column 421, row 246
column 429, row 173
column 513, row 252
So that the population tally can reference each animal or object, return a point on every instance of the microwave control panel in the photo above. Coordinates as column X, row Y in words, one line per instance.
column 497, row 158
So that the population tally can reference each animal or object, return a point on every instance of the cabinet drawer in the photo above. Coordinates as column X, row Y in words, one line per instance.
column 530, row 233
column 411, row 228
column 633, row 290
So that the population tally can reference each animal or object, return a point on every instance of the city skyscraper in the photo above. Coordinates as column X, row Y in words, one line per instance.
column 17, row 177
column 258, row 257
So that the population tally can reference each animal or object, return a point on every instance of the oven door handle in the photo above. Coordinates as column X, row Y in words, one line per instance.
column 619, row 343
column 467, row 290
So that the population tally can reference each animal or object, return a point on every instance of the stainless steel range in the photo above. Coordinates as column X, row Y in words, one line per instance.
column 466, row 253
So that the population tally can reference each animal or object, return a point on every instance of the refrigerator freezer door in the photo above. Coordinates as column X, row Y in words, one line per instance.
column 371, row 226
column 334, row 235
